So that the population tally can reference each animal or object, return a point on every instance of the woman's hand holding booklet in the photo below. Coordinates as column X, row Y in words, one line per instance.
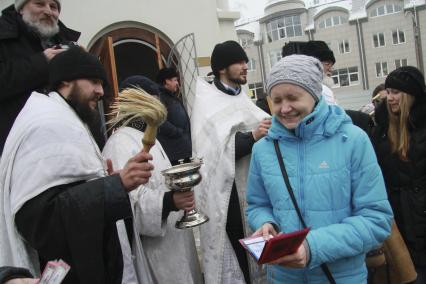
column 266, row 251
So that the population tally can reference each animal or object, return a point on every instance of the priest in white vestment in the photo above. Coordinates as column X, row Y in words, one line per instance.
column 225, row 123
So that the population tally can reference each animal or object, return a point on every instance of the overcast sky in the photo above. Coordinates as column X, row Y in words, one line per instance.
column 248, row 8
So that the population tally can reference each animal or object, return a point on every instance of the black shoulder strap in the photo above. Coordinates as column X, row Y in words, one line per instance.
column 324, row 266
column 287, row 183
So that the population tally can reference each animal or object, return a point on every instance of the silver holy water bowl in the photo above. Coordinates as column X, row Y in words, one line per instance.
column 184, row 177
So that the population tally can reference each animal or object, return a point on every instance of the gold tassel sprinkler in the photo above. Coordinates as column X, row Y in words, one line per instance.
column 135, row 103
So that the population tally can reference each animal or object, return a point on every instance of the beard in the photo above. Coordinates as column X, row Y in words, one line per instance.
column 45, row 31
column 88, row 115
column 235, row 78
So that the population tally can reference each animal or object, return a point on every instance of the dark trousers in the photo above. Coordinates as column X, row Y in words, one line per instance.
column 235, row 231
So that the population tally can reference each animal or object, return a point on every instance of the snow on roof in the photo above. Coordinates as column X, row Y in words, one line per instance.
column 253, row 27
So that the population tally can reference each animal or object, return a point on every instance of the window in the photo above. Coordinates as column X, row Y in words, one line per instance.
column 284, row 27
column 400, row 63
column 398, row 36
column 274, row 57
column 332, row 21
column 379, row 40
column 345, row 77
column 251, row 65
column 256, row 91
column 385, row 10
column 381, row 69
column 246, row 42
column 344, row 46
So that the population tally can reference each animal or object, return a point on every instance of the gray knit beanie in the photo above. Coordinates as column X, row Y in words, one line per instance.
column 20, row 3
column 301, row 70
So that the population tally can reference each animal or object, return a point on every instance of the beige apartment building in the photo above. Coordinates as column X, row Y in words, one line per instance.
column 369, row 38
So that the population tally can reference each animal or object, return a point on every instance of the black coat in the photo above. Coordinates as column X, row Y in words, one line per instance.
column 362, row 120
column 175, row 133
column 77, row 223
column 406, row 181
column 23, row 66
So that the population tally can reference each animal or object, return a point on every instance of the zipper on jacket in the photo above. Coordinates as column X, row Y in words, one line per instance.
column 301, row 150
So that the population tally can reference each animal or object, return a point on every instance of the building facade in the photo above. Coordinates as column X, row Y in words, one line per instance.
column 369, row 38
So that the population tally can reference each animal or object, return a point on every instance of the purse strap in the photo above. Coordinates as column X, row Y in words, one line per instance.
column 324, row 266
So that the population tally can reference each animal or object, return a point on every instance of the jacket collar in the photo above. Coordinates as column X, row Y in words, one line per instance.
column 11, row 25
column 224, row 89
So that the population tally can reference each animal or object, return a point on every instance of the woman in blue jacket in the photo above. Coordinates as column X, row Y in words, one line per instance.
column 334, row 174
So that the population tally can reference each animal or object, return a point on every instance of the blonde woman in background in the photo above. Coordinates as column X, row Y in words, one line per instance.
column 400, row 142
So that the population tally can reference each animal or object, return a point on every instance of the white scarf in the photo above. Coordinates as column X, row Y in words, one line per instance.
column 48, row 146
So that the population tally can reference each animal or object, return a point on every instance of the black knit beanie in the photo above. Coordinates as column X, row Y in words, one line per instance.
column 140, row 82
column 225, row 54
column 319, row 50
column 314, row 48
column 407, row 79
column 72, row 64
column 293, row 47
column 166, row 73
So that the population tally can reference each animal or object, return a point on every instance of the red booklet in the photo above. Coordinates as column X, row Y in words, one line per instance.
column 276, row 247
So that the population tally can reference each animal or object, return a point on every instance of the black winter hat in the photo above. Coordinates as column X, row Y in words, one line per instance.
column 293, row 47
column 314, row 48
column 225, row 54
column 142, row 82
column 72, row 64
column 319, row 50
column 407, row 79
column 166, row 73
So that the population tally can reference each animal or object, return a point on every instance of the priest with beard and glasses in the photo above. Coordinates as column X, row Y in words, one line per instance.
column 59, row 198
column 30, row 36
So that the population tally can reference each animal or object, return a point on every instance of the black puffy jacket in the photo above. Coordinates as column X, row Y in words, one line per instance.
column 175, row 133
column 406, row 180
column 23, row 66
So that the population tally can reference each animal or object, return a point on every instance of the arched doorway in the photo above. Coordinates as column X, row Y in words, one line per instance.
column 125, row 52
column 135, row 57
column 138, row 51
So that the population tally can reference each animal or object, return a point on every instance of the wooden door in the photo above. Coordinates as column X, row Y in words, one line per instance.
column 105, row 52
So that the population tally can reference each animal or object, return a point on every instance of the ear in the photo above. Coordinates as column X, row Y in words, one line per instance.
column 64, row 87
column 66, row 84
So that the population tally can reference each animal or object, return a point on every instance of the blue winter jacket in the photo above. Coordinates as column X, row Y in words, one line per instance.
column 338, row 185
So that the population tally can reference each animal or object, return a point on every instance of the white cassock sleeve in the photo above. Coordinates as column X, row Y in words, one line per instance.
column 146, row 200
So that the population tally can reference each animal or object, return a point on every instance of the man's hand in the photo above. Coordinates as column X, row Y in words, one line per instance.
column 22, row 281
column 137, row 171
column 262, row 129
column 51, row 52
column 266, row 230
column 184, row 200
column 299, row 259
